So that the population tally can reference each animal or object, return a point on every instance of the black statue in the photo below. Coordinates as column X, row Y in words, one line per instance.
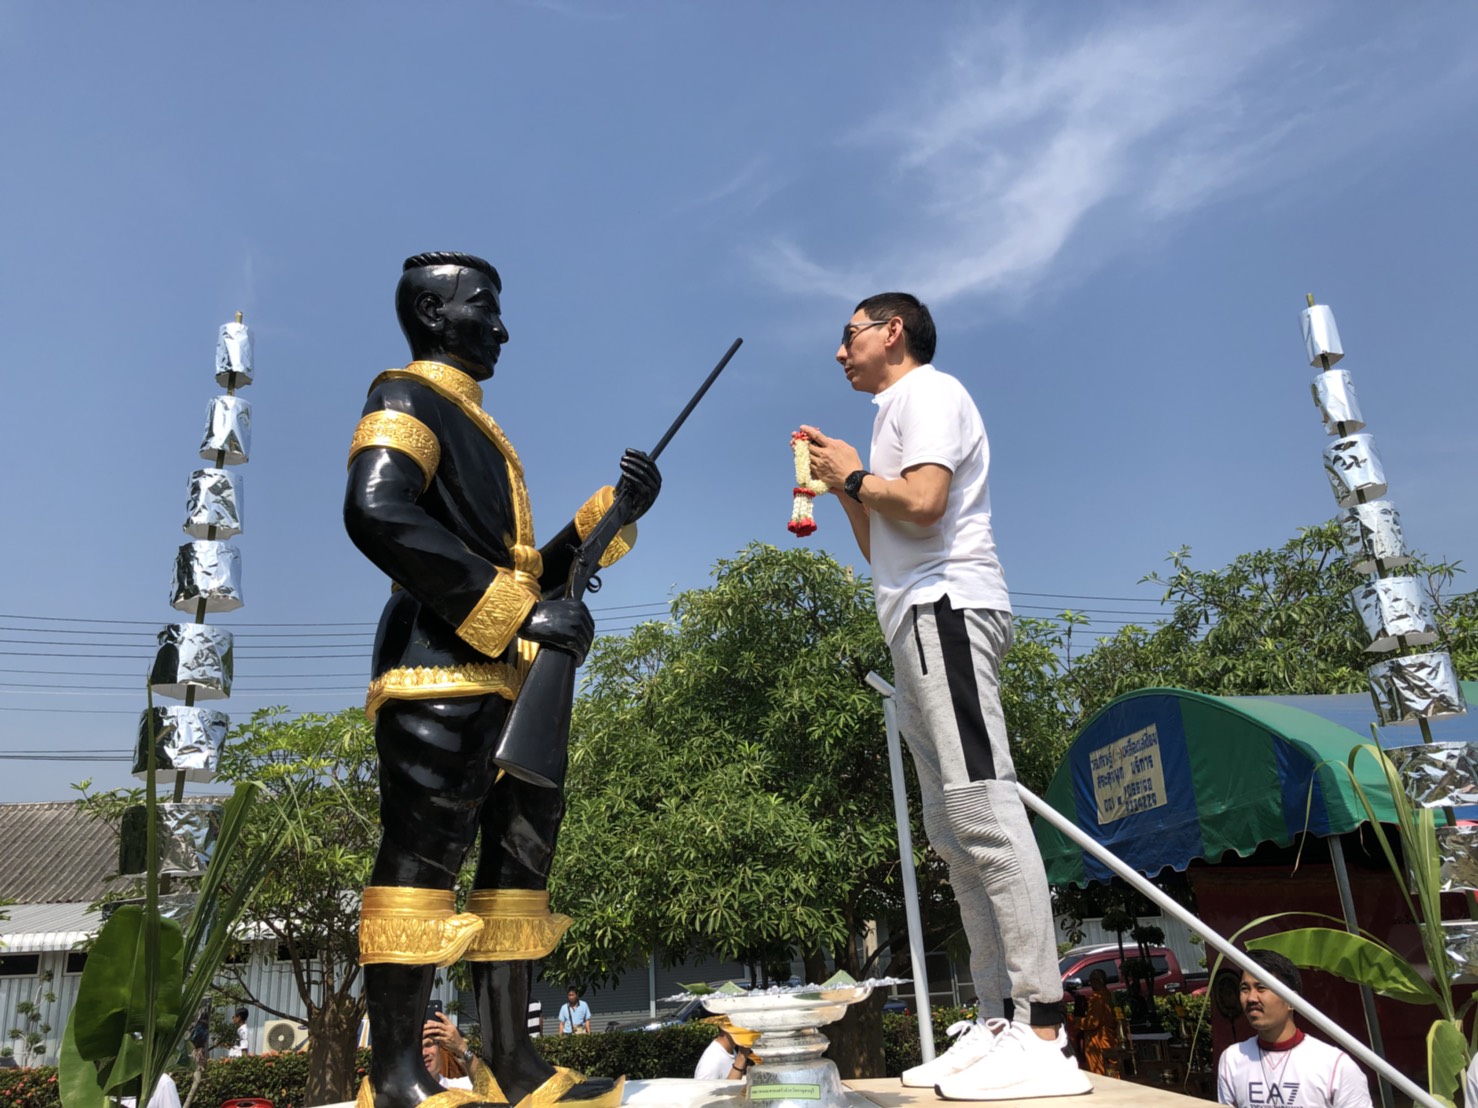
column 436, row 499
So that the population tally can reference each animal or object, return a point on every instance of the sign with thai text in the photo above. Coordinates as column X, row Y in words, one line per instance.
column 1128, row 776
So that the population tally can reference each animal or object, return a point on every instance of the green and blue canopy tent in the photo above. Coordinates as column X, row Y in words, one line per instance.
column 1163, row 777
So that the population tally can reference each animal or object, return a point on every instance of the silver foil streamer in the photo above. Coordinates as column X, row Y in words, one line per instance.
column 227, row 431
column 215, row 501
column 192, row 655
column 1457, row 847
column 1418, row 686
column 1321, row 336
column 1371, row 536
column 206, row 570
column 1395, row 612
column 1437, row 775
column 187, row 838
column 175, row 906
column 187, row 741
column 1354, row 470
column 233, row 356
column 1334, row 396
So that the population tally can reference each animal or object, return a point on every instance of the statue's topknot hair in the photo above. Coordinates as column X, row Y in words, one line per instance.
column 447, row 257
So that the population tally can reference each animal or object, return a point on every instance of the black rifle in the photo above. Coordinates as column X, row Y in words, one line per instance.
column 535, row 743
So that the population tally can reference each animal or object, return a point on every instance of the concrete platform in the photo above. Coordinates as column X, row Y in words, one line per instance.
column 1108, row 1092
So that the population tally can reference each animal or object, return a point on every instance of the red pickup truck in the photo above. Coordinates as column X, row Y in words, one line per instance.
column 1078, row 964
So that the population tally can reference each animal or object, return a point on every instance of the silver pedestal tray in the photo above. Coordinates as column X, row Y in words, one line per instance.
column 792, row 1072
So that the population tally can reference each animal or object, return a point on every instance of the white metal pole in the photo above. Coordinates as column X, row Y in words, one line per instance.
column 910, row 878
column 1238, row 958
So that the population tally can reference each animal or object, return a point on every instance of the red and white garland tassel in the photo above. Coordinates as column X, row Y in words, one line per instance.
column 802, row 520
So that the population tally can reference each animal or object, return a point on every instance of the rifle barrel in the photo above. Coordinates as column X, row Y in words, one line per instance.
column 697, row 396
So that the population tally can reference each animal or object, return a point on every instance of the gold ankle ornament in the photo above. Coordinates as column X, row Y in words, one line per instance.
column 413, row 927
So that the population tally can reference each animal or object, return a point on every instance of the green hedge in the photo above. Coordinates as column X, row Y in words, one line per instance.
column 901, row 1037
column 281, row 1078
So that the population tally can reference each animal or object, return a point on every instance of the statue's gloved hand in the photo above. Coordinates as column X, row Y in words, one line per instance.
column 564, row 624
column 640, row 483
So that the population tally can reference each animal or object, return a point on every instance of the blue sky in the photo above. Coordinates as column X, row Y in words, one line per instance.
column 1114, row 211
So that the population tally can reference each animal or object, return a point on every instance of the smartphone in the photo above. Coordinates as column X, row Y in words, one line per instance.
column 433, row 1009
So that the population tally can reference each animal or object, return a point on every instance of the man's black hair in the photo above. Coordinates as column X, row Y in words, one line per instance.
column 918, row 324
column 1280, row 967
column 241, row 1014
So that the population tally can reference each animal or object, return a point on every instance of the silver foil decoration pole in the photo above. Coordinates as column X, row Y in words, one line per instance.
column 1371, row 536
column 193, row 660
column 234, row 366
column 1396, row 612
column 188, row 741
column 187, row 838
column 213, row 508
column 206, row 571
column 1415, row 688
column 1354, row 470
column 227, row 438
column 1334, row 396
column 1457, row 846
column 1437, row 775
column 1321, row 336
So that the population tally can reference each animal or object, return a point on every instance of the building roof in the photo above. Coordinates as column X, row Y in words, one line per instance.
column 31, row 928
column 54, row 854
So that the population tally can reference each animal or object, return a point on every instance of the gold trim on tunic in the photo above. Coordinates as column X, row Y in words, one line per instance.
column 590, row 514
column 434, row 682
column 410, row 926
column 496, row 618
column 492, row 621
column 398, row 431
column 516, row 925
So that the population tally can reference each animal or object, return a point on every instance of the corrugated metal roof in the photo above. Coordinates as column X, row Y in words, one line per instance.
column 32, row 928
column 54, row 853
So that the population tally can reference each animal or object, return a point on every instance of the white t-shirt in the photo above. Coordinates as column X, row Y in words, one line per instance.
column 243, row 1044
column 927, row 416
column 715, row 1063
column 1311, row 1075
column 454, row 1082
column 165, row 1095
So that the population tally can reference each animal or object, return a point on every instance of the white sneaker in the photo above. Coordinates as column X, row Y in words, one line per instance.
column 972, row 1042
column 1019, row 1066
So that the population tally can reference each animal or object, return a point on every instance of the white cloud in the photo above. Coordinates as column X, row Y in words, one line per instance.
column 1022, row 137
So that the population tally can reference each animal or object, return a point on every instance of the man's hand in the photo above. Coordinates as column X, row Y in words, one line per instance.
column 832, row 460
column 440, row 1028
column 640, row 483
column 564, row 624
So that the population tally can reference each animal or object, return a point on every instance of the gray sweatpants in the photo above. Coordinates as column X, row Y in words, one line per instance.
column 946, row 665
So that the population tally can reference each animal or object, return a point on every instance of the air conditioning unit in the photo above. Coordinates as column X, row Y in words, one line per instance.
column 285, row 1036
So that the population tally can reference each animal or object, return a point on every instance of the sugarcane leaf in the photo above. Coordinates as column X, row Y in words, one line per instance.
column 1352, row 957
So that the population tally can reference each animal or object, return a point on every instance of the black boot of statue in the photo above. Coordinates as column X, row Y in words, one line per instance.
column 501, row 990
column 397, row 998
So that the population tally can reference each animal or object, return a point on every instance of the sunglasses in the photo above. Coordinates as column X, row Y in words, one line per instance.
column 851, row 330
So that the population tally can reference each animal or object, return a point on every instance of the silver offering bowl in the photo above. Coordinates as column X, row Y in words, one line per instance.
column 792, row 1072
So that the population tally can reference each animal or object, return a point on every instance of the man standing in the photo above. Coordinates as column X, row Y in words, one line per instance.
column 436, row 498
column 243, row 1037
column 1280, row 1064
column 574, row 1014
column 921, row 515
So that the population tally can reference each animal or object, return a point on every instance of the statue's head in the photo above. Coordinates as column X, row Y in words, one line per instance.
column 449, row 308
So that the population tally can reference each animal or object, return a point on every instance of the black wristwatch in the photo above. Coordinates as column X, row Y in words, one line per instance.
column 852, row 486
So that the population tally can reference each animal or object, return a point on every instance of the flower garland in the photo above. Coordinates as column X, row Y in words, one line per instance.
column 802, row 520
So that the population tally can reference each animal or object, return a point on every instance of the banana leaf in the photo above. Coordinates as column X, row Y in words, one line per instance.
column 1353, row 957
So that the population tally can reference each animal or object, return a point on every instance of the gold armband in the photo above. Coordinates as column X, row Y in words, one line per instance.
column 516, row 925
column 496, row 618
column 590, row 514
column 413, row 927
column 402, row 432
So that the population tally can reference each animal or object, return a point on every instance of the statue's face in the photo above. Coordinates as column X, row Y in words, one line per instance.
column 471, row 324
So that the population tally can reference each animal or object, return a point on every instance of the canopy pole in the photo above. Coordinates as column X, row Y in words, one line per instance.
column 1334, row 1031
column 910, row 879
column 1367, row 998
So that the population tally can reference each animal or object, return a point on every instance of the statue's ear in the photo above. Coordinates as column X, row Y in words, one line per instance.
column 427, row 308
